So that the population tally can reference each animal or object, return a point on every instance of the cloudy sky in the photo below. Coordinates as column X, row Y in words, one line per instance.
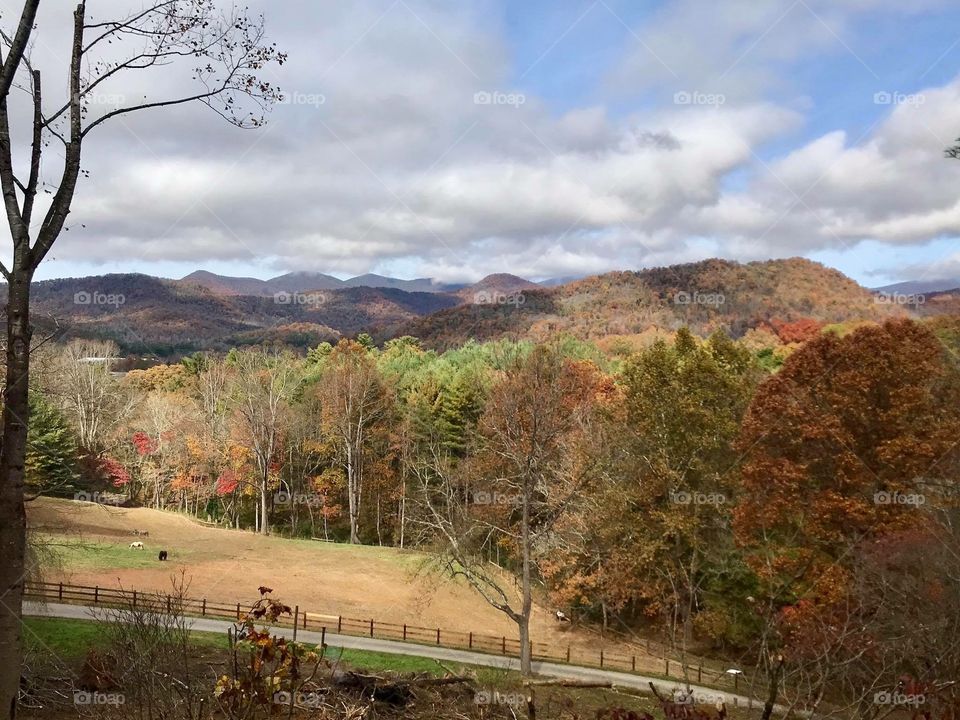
column 543, row 138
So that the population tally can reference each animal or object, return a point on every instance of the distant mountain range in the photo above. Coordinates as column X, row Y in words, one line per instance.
column 163, row 318
column 307, row 281
column 918, row 287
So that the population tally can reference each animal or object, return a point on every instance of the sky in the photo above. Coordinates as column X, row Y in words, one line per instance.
column 424, row 138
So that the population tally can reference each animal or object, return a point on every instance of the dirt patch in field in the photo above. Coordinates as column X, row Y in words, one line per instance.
column 228, row 565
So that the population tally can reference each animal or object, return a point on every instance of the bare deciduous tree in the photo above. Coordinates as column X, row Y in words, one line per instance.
column 262, row 388
column 525, row 473
column 226, row 51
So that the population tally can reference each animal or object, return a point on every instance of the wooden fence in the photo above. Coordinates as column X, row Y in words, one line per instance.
column 454, row 639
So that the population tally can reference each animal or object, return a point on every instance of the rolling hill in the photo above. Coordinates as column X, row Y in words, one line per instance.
column 167, row 318
column 705, row 296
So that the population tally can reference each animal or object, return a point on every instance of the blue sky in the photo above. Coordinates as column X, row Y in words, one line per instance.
column 599, row 168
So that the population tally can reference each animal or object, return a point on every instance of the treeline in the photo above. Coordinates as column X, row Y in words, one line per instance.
column 805, row 514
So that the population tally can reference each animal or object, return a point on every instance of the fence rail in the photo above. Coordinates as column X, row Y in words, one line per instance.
column 455, row 639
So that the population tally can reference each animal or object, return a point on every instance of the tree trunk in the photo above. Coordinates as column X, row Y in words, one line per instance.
column 524, row 622
column 13, row 527
column 773, row 689
column 352, row 500
column 264, row 522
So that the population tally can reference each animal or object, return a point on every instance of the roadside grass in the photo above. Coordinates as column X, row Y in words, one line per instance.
column 70, row 639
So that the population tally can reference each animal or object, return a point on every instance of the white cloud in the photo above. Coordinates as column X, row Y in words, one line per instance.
column 399, row 165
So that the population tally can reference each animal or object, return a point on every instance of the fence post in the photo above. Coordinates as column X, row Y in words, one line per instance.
column 238, row 612
column 323, row 636
column 504, row 644
column 96, row 594
column 470, row 643
column 633, row 663
column 404, row 631
column 168, row 604
column 568, row 652
column 61, row 592
column 304, row 619
column 134, row 598
column 296, row 621
column 339, row 623
column 371, row 627
column 668, row 667
column 438, row 636
column 203, row 607
column 601, row 658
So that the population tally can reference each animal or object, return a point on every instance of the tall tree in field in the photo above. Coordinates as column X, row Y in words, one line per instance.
column 262, row 386
column 354, row 405
column 525, row 470
column 654, row 525
column 91, row 398
column 225, row 49
column 847, row 444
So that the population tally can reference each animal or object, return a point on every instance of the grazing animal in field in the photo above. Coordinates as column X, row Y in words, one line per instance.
column 163, row 555
column 136, row 545
column 562, row 616
column 141, row 533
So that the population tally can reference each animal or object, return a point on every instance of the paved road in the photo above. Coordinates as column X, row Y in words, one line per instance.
column 552, row 670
